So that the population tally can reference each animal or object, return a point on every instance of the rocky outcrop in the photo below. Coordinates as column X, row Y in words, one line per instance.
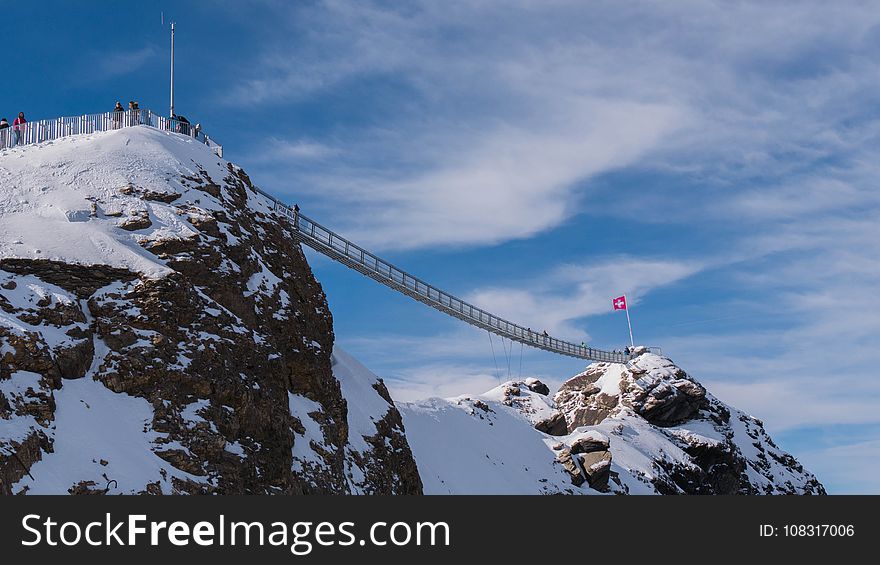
column 573, row 466
column 219, row 346
column 663, row 400
column 587, row 459
column 554, row 425
column 701, row 446
column 590, row 443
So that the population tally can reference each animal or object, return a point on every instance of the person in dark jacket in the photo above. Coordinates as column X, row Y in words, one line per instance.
column 4, row 125
column 118, row 113
column 17, row 125
column 183, row 125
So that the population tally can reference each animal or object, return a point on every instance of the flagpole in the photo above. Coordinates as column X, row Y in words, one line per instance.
column 628, row 323
column 172, row 69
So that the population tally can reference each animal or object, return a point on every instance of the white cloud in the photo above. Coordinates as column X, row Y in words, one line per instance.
column 440, row 381
column 554, row 302
column 286, row 150
column 124, row 62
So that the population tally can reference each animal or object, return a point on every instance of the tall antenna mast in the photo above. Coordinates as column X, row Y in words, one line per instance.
column 172, row 69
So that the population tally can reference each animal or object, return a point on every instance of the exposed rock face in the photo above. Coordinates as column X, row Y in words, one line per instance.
column 714, row 449
column 590, row 443
column 662, row 399
column 222, row 346
column 554, row 425
column 535, row 385
column 573, row 466
column 597, row 466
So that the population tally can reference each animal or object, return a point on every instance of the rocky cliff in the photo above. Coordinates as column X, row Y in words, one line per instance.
column 160, row 332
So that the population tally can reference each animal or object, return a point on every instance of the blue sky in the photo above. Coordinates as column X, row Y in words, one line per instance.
column 716, row 161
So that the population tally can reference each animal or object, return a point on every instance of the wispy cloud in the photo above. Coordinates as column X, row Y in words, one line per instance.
column 124, row 62
column 499, row 131
column 569, row 293
column 275, row 150
column 441, row 381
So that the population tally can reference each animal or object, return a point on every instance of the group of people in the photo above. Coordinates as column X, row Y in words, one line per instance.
column 130, row 118
column 17, row 125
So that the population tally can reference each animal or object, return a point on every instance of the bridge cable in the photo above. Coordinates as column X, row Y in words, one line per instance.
column 520, row 358
column 492, row 345
column 504, row 349
column 509, row 354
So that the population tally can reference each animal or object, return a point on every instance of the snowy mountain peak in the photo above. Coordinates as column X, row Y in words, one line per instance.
column 646, row 427
column 107, row 198
column 161, row 332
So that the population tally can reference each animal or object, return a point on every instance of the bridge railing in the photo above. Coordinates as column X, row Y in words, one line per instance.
column 328, row 242
column 47, row 130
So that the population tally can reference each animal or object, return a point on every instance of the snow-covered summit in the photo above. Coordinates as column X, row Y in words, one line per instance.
column 102, row 198
column 162, row 332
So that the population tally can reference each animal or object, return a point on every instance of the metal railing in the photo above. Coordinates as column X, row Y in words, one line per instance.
column 331, row 244
column 39, row 131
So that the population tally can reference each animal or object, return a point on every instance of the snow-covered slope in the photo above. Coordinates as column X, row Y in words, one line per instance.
column 67, row 200
column 161, row 332
column 644, row 428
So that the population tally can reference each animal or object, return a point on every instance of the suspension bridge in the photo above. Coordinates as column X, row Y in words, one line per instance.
column 316, row 236
column 353, row 256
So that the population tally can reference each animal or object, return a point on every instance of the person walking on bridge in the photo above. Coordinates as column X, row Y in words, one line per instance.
column 19, row 122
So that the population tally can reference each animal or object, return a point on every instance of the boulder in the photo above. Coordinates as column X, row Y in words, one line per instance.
column 136, row 222
column 572, row 466
column 590, row 443
column 596, row 467
column 537, row 386
column 554, row 425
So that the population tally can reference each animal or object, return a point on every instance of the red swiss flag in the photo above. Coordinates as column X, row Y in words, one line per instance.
column 619, row 303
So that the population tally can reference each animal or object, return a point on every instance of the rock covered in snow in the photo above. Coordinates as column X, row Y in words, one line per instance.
column 169, row 336
column 662, row 394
